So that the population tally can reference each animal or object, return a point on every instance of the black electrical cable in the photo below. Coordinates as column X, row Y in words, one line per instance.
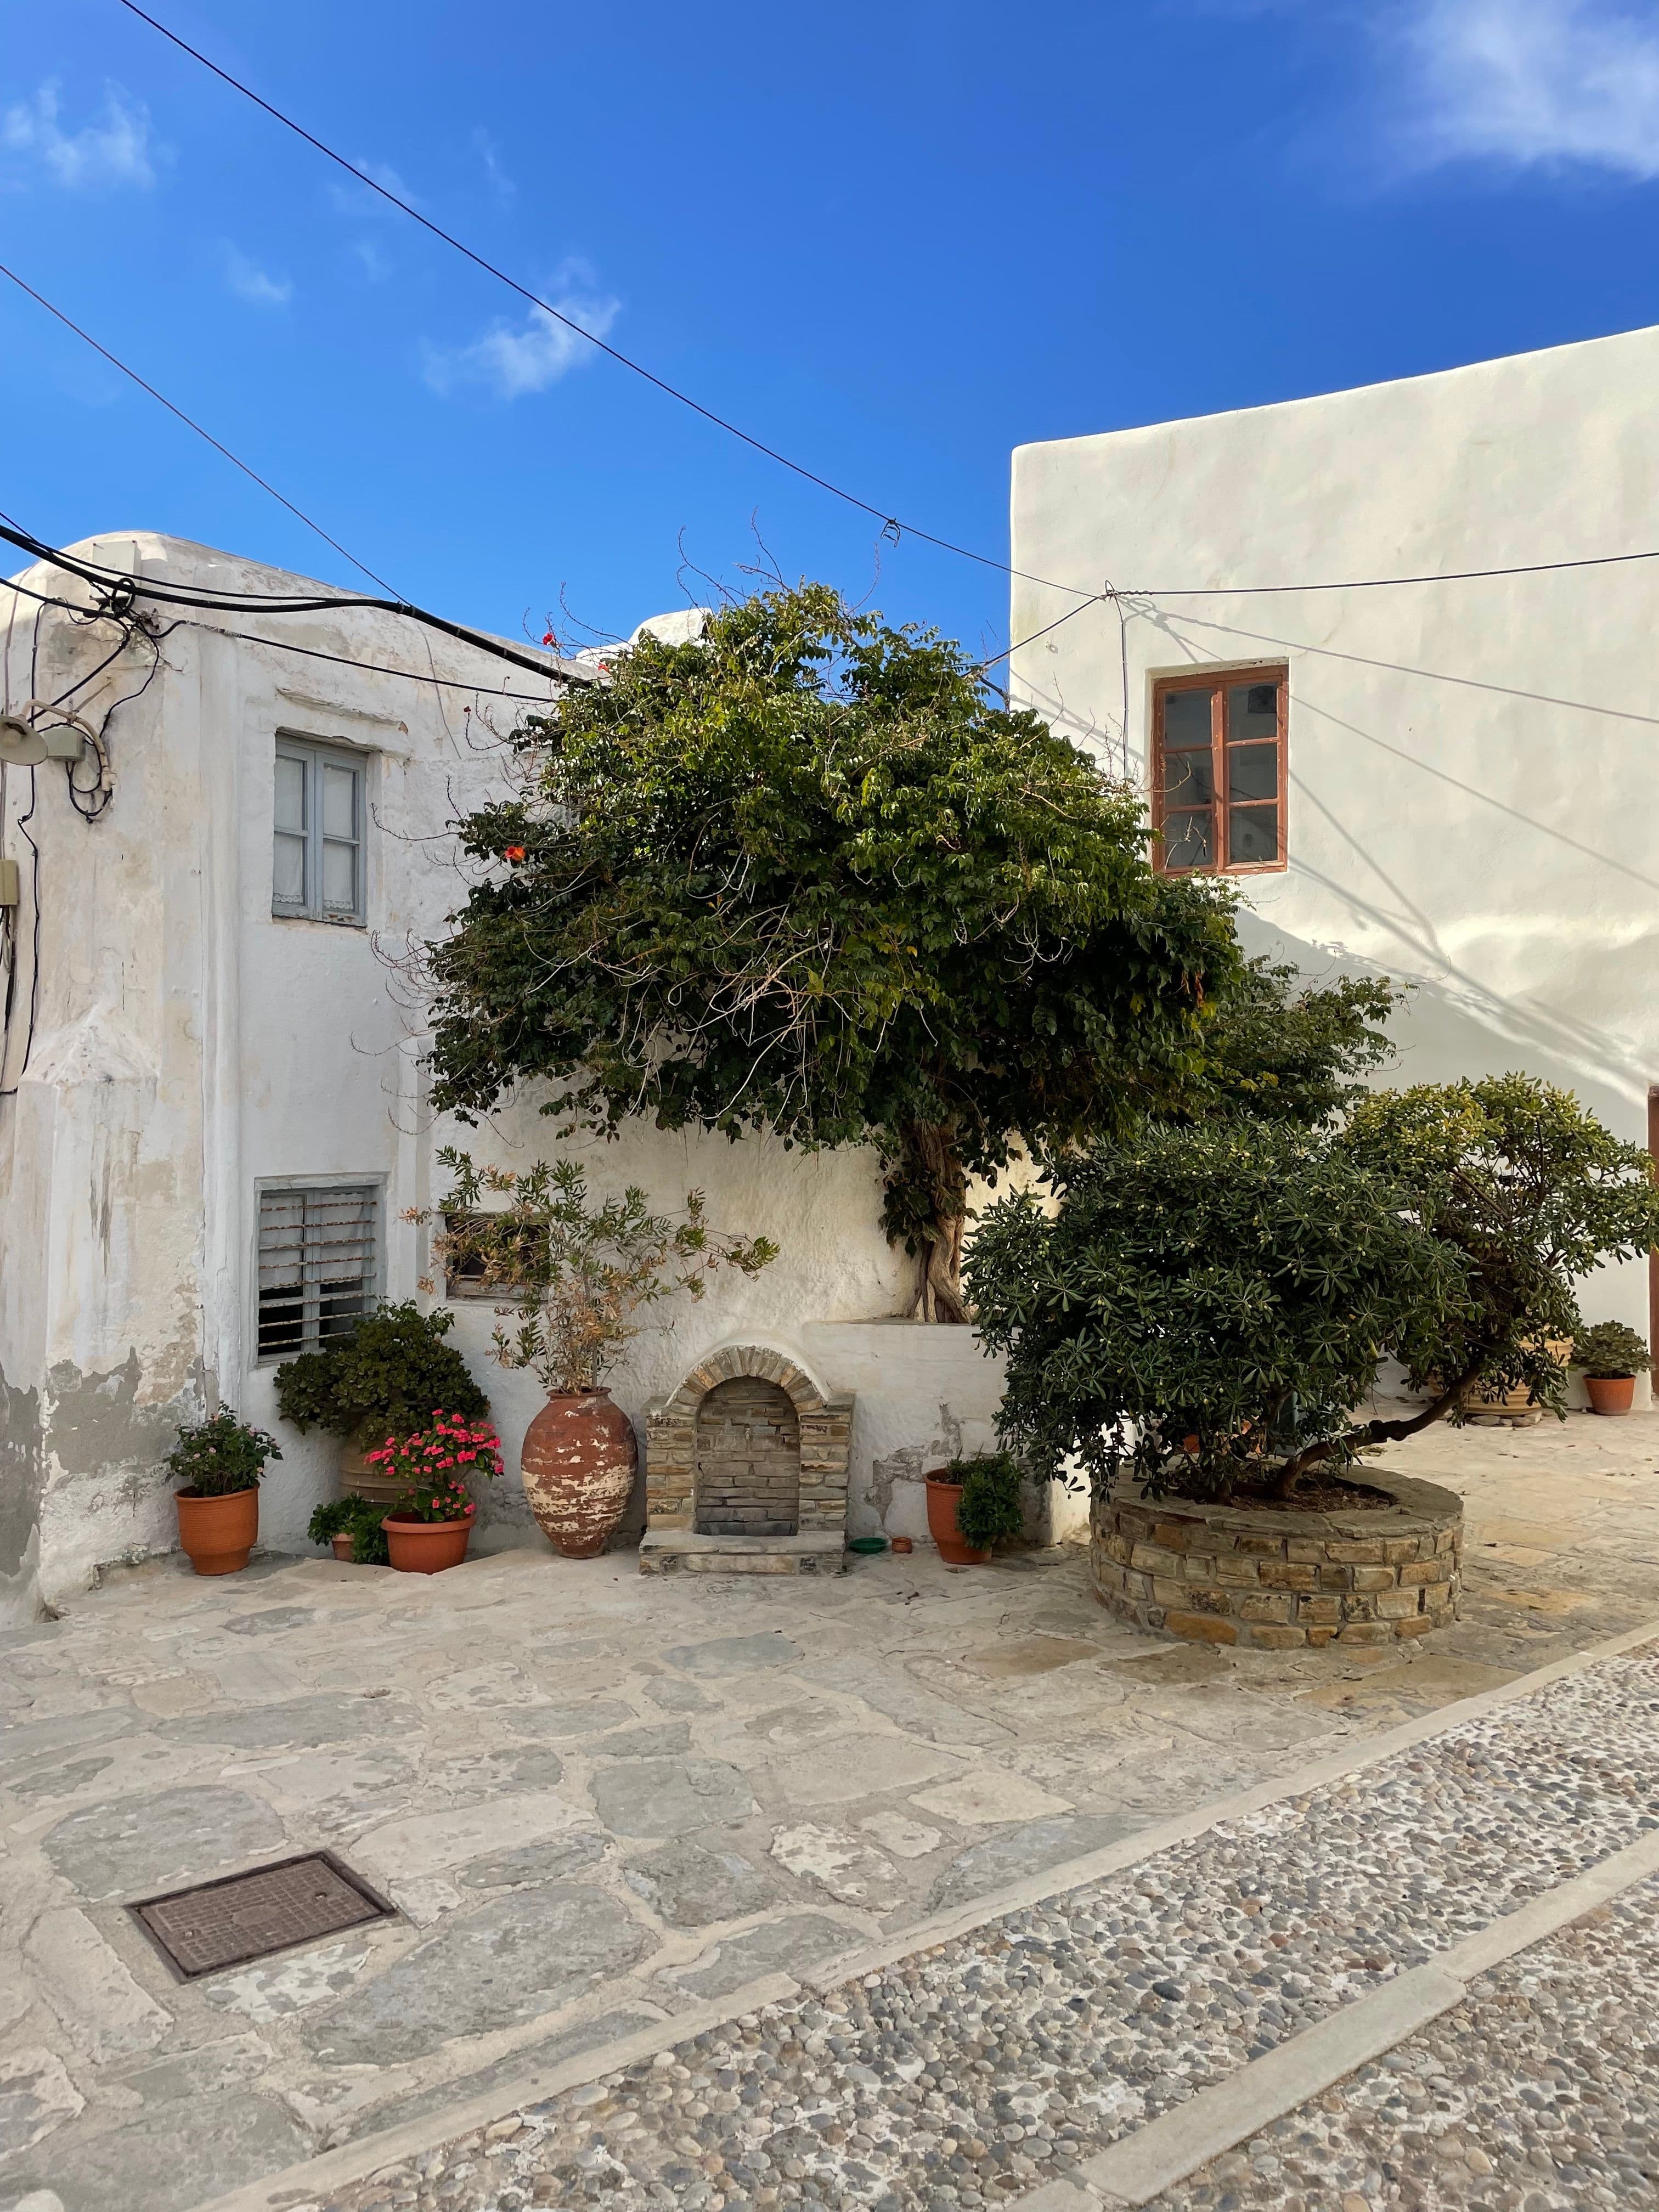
column 102, row 578
column 190, row 424
column 889, row 523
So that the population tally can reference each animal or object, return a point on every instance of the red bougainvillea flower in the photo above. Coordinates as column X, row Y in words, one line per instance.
column 548, row 638
column 514, row 853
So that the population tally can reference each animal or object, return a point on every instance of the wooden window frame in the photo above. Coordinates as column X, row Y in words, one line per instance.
column 307, row 1325
column 1216, row 682
column 315, row 758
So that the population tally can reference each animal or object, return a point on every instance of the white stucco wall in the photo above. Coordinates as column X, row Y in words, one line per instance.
column 188, row 1044
column 1473, row 776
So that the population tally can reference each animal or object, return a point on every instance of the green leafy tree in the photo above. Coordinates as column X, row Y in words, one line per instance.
column 1209, row 1304
column 807, row 874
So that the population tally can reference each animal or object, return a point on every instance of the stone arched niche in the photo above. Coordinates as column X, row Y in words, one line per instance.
column 748, row 1452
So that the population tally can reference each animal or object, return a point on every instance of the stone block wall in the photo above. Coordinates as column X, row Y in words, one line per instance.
column 825, row 1430
column 1274, row 1580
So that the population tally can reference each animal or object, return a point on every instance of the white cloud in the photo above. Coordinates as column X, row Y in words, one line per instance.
column 499, row 183
column 115, row 150
column 511, row 361
column 1536, row 82
column 249, row 282
column 376, row 266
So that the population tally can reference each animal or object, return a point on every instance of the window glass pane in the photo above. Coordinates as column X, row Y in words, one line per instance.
column 289, row 880
column 1252, row 835
column 290, row 793
column 1253, row 771
column 339, row 801
column 1187, row 841
column 340, row 878
column 1186, row 718
column 1188, row 779
column 1252, row 712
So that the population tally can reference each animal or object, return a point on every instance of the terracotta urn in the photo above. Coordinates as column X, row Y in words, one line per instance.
column 579, row 1461
column 944, row 1496
column 217, row 1533
column 1610, row 1394
column 426, row 1547
column 358, row 1479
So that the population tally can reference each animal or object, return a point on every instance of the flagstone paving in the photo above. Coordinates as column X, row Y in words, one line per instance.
column 981, row 2069
column 598, row 1799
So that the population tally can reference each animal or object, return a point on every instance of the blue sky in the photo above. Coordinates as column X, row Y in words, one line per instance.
column 894, row 241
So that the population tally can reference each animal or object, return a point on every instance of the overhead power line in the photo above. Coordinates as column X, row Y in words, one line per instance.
column 162, row 400
column 106, row 581
column 889, row 522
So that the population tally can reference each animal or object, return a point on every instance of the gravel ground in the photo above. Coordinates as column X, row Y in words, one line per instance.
column 973, row 2072
column 1540, row 2093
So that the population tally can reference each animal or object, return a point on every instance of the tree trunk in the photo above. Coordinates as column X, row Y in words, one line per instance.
column 1373, row 1433
column 932, row 1166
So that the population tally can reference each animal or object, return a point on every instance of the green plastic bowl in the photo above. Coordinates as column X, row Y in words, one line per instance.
column 866, row 1544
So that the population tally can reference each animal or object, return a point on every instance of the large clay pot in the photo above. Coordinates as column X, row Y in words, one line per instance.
column 218, row 1533
column 578, row 1462
column 426, row 1547
column 1610, row 1394
column 359, row 1480
column 944, row 1497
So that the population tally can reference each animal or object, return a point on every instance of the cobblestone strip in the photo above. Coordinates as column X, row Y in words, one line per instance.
column 974, row 2072
column 1539, row 2094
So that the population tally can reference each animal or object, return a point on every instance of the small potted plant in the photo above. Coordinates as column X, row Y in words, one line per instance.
column 1610, row 1357
column 218, row 1464
column 385, row 1376
column 434, row 1469
column 972, row 1504
column 571, row 1274
column 351, row 1526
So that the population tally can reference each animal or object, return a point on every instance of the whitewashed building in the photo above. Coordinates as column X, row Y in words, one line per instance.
column 211, row 1069
column 1453, row 783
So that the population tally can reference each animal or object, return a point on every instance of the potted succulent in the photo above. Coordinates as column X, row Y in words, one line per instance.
column 434, row 1470
column 387, row 1375
column 352, row 1525
column 218, row 1463
column 1610, row 1357
column 571, row 1274
column 972, row 1504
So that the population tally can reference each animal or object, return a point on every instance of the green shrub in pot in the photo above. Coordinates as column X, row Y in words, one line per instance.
column 386, row 1376
column 1610, row 1351
column 990, row 1507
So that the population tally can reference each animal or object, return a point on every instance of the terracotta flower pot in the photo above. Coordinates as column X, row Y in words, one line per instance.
column 218, row 1533
column 944, row 1497
column 345, row 1545
column 426, row 1547
column 1610, row 1394
column 359, row 1480
column 578, row 1463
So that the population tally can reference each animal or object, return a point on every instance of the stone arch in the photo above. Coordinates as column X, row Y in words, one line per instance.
column 745, row 1475
column 824, row 1425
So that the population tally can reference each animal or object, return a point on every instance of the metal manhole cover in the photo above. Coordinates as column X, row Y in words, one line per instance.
column 248, row 1915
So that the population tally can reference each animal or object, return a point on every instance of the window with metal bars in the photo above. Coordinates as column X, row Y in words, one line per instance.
column 1218, row 746
column 319, row 1263
column 317, row 832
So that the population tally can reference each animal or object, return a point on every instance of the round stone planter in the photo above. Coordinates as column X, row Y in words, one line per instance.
column 1275, row 1581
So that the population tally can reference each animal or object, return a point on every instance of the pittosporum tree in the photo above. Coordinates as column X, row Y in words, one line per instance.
column 807, row 874
column 1209, row 1304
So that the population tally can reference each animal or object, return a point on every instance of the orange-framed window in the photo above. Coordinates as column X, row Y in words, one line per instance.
column 1218, row 771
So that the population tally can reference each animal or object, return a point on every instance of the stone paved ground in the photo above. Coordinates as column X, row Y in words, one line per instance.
column 975, row 2071
column 1541, row 2094
column 598, row 1799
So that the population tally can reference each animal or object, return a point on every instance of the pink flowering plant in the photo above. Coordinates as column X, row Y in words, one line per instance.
column 438, row 1466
